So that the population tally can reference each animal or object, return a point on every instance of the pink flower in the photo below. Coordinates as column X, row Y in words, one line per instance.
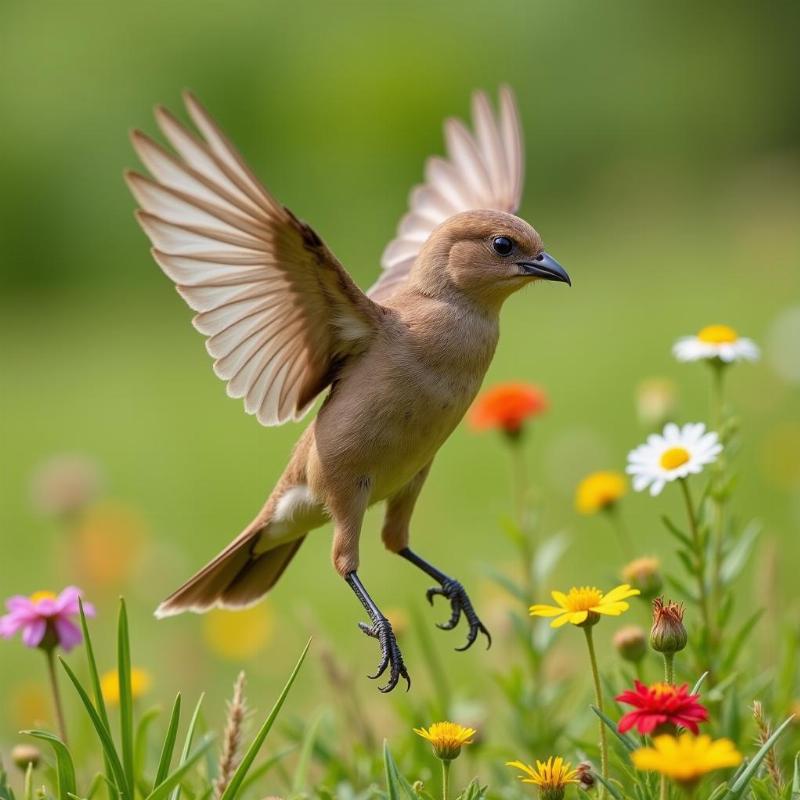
column 44, row 619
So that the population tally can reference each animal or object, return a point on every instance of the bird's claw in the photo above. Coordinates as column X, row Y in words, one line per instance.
column 391, row 657
column 459, row 604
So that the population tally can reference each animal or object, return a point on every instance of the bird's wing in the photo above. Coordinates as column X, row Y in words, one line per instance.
column 483, row 170
column 279, row 311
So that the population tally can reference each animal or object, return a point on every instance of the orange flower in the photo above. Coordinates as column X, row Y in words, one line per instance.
column 506, row 407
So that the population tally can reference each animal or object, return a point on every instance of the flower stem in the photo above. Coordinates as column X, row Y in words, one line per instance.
column 624, row 536
column 50, row 657
column 718, row 421
column 700, row 556
column 445, row 778
column 520, row 477
column 598, row 694
column 663, row 793
column 669, row 667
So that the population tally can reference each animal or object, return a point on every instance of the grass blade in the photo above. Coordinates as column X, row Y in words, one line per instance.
column 249, row 757
column 187, row 743
column 107, row 743
column 700, row 682
column 172, row 781
column 125, row 694
column 304, row 759
column 65, row 769
column 740, row 784
column 140, row 750
column 613, row 791
column 629, row 745
column 168, row 748
column 397, row 786
column 796, row 778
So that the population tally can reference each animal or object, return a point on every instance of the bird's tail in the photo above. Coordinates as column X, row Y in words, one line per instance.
column 236, row 578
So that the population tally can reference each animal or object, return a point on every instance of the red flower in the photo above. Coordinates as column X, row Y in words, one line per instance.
column 507, row 406
column 661, row 704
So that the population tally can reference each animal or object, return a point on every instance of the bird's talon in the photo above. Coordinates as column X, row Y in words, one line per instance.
column 391, row 657
column 460, row 604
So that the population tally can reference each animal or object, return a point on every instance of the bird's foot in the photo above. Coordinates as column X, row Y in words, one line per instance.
column 391, row 657
column 459, row 604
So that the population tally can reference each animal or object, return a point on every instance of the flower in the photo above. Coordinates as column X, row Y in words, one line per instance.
column 447, row 738
column 668, row 635
column 719, row 343
column 656, row 401
column 44, row 619
column 686, row 758
column 507, row 406
column 552, row 776
column 661, row 704
column 239, row 635
column 599, row 491
column 631, row 643
column 676, row 453
column 140, row 685
column 26, row 755
column 644, row 574
column 583, row 605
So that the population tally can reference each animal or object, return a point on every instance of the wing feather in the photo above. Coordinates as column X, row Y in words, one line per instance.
column 279, row 311
column 483, row 169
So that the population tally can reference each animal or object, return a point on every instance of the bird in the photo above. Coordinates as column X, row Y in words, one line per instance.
column 399, row 364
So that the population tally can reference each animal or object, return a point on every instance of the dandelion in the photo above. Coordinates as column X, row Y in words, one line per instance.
column 644, row 574
column 507, row 406
column 719, row 343
column 551, row 776
column 600, row 491
column 583, row 607
column 141, row 681
column 674, row 454
column 447, row 739
column 686, row 758
column 661, row 708
column 45, row 621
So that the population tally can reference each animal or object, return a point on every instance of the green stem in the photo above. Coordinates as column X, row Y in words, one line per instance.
column 598, row 696
column 50, row 657
column 669, row 667
column 520, row 477
column 718, row 421
column 664, row 792
column 445, row 778
column 700, row 555
column 624, row 536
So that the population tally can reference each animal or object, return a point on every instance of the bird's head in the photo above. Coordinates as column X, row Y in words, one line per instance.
column 485, row 256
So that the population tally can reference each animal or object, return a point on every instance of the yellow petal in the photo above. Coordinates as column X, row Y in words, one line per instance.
column 562, row 620
column 560, row 598
column 545, row 611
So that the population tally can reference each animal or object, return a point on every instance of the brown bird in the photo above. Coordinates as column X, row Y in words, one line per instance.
column 285, row 322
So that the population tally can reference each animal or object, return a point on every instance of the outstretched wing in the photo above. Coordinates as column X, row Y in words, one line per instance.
column 483, row 169
column 279, row 311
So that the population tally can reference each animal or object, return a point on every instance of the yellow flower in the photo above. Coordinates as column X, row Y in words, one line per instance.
column 239, row 635
column 599, row 491
column 109, row 685
column 447, row 738
column 686, row 758
column 552, row 776
column 583, row 605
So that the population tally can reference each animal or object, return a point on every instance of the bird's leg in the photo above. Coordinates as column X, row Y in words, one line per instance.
column 380, row 629
column 459, row 600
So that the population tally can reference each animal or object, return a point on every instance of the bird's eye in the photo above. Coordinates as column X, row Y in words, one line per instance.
column 503, row 245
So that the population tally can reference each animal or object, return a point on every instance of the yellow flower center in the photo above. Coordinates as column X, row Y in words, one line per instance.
column 583, row 598
column 717, row 334
column 38, row 597
column 674, row 457
column 662, row 689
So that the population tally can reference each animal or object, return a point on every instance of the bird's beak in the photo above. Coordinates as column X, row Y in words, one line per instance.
column 545, row 267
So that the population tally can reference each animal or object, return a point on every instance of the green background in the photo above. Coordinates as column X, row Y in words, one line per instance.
column 663, row 171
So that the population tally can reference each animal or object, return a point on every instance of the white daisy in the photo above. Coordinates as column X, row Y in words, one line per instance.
column 676, row 453
column 716, row 342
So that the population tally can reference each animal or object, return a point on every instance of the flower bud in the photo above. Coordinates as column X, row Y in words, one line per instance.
column 667, row 634
column 644, row 574
column 586, row 779
column 26, row 754
column 631, row 643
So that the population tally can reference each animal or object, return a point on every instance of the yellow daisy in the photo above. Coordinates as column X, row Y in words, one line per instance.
column 447, row 738
column 109, row 685
column 583, row 605
column 686, row 758
column 599, row 491
column 551, row 776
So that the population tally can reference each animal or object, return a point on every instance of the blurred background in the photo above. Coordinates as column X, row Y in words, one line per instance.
column 663, row 170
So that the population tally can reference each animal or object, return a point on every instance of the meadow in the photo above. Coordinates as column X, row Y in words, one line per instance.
column 662, row 171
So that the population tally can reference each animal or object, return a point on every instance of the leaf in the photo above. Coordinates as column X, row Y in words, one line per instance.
column 249, row 757
column 140, row 749
column 125, row 694
column 548, row 555
column 740, row 784
column 262, row 769
column 304, row 759
column 613, row 791
column 739, row 640
column 474, row 791
column 677, row 532
column 796, row 778
column 736, row 560
column 187, row 742
column 397, row 787
column 103, row 734
column 700, row 681
column 629, row 745
column 168, row 784
column 167, row 749
column 65, row 769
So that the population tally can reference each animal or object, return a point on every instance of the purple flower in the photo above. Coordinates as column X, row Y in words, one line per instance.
column 44, row 619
